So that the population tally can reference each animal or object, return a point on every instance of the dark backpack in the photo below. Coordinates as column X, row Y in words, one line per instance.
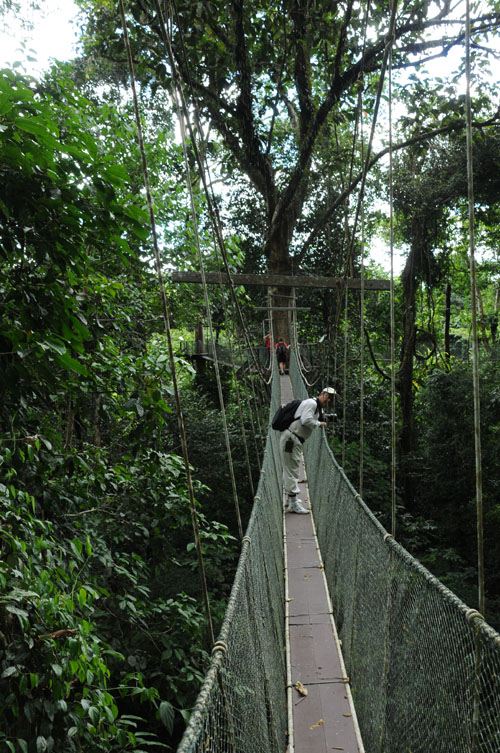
column 285, row 415
column 282, row 351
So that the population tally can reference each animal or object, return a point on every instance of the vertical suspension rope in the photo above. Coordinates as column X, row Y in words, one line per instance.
column 212, row 209
column 344, row 390
column 362, row 336
column 389, row 596
column 166, row 319
column 180, row 112
column 475, row 379
column 392, row 325
column 238, row 397
column 183, row 120
column 218, row 243
column 253, row 407
column 475, row 348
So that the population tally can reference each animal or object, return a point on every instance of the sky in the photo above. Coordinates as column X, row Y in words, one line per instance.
column 53, row 36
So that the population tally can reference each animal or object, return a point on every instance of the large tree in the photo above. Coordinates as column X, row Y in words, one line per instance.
column 271, row 77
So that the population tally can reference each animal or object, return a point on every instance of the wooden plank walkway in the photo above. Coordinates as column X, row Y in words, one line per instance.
column 324, row 719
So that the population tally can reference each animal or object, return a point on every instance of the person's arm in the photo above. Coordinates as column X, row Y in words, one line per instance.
column 308, row 418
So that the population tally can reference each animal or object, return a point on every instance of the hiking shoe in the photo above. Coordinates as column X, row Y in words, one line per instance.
column 295, row 506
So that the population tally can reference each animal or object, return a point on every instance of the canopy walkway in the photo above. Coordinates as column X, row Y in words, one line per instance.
column 422, row 668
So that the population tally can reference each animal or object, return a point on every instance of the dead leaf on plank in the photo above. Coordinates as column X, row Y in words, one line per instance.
column 302, row 690
column 319, row 723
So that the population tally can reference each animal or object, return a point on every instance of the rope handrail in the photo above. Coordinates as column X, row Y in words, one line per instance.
column 242, row 703
column 436, row 695
column 410, row 644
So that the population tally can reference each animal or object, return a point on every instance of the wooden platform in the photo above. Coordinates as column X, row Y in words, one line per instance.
column 321, row 714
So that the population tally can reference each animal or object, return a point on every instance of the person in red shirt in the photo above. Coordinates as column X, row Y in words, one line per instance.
column 267, row 342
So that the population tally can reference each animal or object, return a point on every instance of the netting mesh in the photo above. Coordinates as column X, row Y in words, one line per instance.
column 242, row 704
column 424, row 669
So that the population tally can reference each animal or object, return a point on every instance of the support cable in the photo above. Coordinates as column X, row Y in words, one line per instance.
column 392, row 320
column 258, row 453
column 238, row 397
column 300, row 364
column 388, row 47
column 349, row 237
column 476, row 715
column 184, row 122
column 475, row 348
column 389, row 593
column 194, row 218
column 358, row 119
column 272, row 350
column 166, row 318
column 250, row 410
column 210, row 204
column 344, row 390
column 362, row 339
column 230, row 330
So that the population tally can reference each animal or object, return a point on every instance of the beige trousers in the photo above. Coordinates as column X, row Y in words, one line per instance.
column 291, row 461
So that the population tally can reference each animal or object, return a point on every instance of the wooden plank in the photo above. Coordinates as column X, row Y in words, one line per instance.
column 316, row 730
column 292, row 281
column 323, row 720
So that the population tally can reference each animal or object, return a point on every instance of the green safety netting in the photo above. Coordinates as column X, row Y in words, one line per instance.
column 424, row 668
column 242, row 704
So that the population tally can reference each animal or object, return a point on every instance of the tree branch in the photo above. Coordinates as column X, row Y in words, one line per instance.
column 302, row 72
column 255, row 162
column 368, row 62
column 456, row 126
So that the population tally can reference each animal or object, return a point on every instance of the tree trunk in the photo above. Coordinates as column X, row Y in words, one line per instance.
column 280, row 232
column 282, row 297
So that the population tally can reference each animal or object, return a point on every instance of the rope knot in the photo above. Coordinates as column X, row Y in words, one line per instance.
column 473, row 614
column 219, row 646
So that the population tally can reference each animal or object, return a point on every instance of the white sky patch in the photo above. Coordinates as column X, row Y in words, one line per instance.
column 53, row 36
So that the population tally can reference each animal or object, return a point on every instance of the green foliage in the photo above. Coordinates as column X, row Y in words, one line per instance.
column 102, row 633
column 88, row 594
column 54, row 664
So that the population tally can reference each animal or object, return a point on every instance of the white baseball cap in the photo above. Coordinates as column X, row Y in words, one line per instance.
column 329, row 390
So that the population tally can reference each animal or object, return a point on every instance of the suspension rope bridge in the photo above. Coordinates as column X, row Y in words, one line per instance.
column 422, row 668
column 418, row 670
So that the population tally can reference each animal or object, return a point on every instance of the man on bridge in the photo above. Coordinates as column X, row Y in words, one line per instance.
column 307, row 417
